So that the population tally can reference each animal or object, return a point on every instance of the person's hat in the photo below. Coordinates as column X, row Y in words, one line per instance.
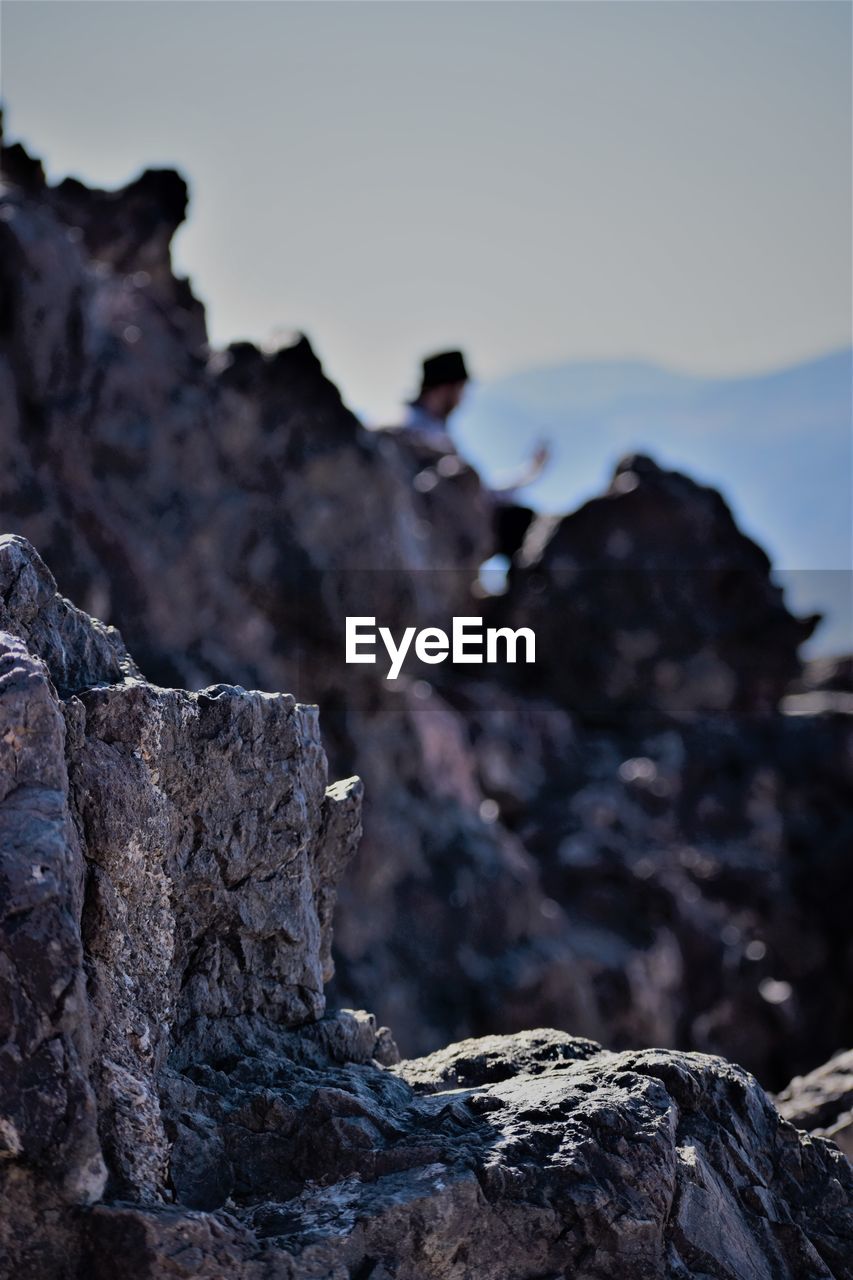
column 443, row 368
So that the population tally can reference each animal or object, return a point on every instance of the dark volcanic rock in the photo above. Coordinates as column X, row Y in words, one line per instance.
column 634, row 854
column 173, row 1103
column 229, row 513
column 77, row 650
column 169, row 862
column 51, row 1153
column 649, row 1164
column 649, row 603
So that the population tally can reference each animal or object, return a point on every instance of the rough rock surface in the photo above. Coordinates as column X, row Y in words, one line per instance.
column 645, row 1164
column 642, row 849
column 169, row 863
column 173, row 1103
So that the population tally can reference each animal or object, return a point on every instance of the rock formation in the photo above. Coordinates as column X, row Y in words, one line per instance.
column 637, row 846
column 173, row 1100
column 674, row 614
column 169, row 862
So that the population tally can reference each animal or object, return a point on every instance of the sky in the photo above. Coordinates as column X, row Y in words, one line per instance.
column 535, row 182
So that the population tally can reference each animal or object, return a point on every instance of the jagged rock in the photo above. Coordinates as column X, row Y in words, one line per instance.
column 169, row 862
column 116, row 469
column 173, row 1101
column 650, row 603
column 77, row 650
column 643, row 1164
column 120, row 433
column 822, row 1101
column 120, row 430
column 519, row 867
column 48, row 1054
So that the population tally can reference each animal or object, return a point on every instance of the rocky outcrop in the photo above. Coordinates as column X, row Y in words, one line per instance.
column 639, row 847
column 647, row 1164
column 673, row 613
column 169, row 863
column 174, row 1101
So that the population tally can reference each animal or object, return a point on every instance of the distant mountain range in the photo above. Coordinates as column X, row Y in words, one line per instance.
column 779, row 445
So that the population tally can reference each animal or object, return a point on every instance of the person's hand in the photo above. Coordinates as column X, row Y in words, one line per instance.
column 529, row 472
column 541, row 457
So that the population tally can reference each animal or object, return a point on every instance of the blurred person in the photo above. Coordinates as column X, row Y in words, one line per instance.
column 444, row 378
column 424, row 427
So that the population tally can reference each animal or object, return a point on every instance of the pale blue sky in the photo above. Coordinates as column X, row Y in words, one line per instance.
column 535, row 181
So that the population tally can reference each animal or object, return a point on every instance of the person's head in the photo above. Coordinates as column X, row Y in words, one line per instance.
column 443, row 383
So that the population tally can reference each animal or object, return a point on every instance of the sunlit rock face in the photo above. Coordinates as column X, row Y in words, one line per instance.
column 174, row 1101
column 168, row 866
column 645, row 1164
column 638, row 847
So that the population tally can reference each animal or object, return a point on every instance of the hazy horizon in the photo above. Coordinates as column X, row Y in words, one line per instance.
column 538, row 183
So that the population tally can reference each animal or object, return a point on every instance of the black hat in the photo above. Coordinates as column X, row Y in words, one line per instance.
column 443, row 368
